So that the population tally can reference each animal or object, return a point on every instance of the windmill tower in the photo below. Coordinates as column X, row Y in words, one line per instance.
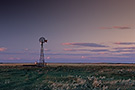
column 41, row 60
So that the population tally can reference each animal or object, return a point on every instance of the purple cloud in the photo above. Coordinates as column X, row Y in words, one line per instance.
column 94, row 50
column 121, row 27
column 128, row 54
column 120, row 51
column 125, row 48
column 116, row 27
column 100, row 50
column 125, row 43
column 85, row 44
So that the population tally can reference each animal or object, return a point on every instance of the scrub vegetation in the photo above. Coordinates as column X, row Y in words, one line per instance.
column 86, row 77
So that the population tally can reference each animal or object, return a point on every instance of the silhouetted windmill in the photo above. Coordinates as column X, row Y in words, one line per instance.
column 41, row 60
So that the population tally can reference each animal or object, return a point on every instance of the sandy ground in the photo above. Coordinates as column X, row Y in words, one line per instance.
column 68, row 64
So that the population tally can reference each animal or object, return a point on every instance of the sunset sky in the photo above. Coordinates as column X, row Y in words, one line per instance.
column 81, row 31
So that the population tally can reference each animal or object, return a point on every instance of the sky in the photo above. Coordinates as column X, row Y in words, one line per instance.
column 78, row 31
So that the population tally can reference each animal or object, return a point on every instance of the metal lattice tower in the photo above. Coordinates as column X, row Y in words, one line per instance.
column 41, row 60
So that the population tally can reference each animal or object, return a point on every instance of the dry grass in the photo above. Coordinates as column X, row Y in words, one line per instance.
column 88, row 64
column 16, row 64
column 67, row 77
column 68, row 64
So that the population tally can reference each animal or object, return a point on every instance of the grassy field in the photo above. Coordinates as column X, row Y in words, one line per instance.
column 68, row 77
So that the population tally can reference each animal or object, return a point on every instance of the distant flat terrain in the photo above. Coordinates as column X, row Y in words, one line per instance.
column 69, row 64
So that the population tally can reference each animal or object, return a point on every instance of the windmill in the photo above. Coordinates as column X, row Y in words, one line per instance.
column 41, row 62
